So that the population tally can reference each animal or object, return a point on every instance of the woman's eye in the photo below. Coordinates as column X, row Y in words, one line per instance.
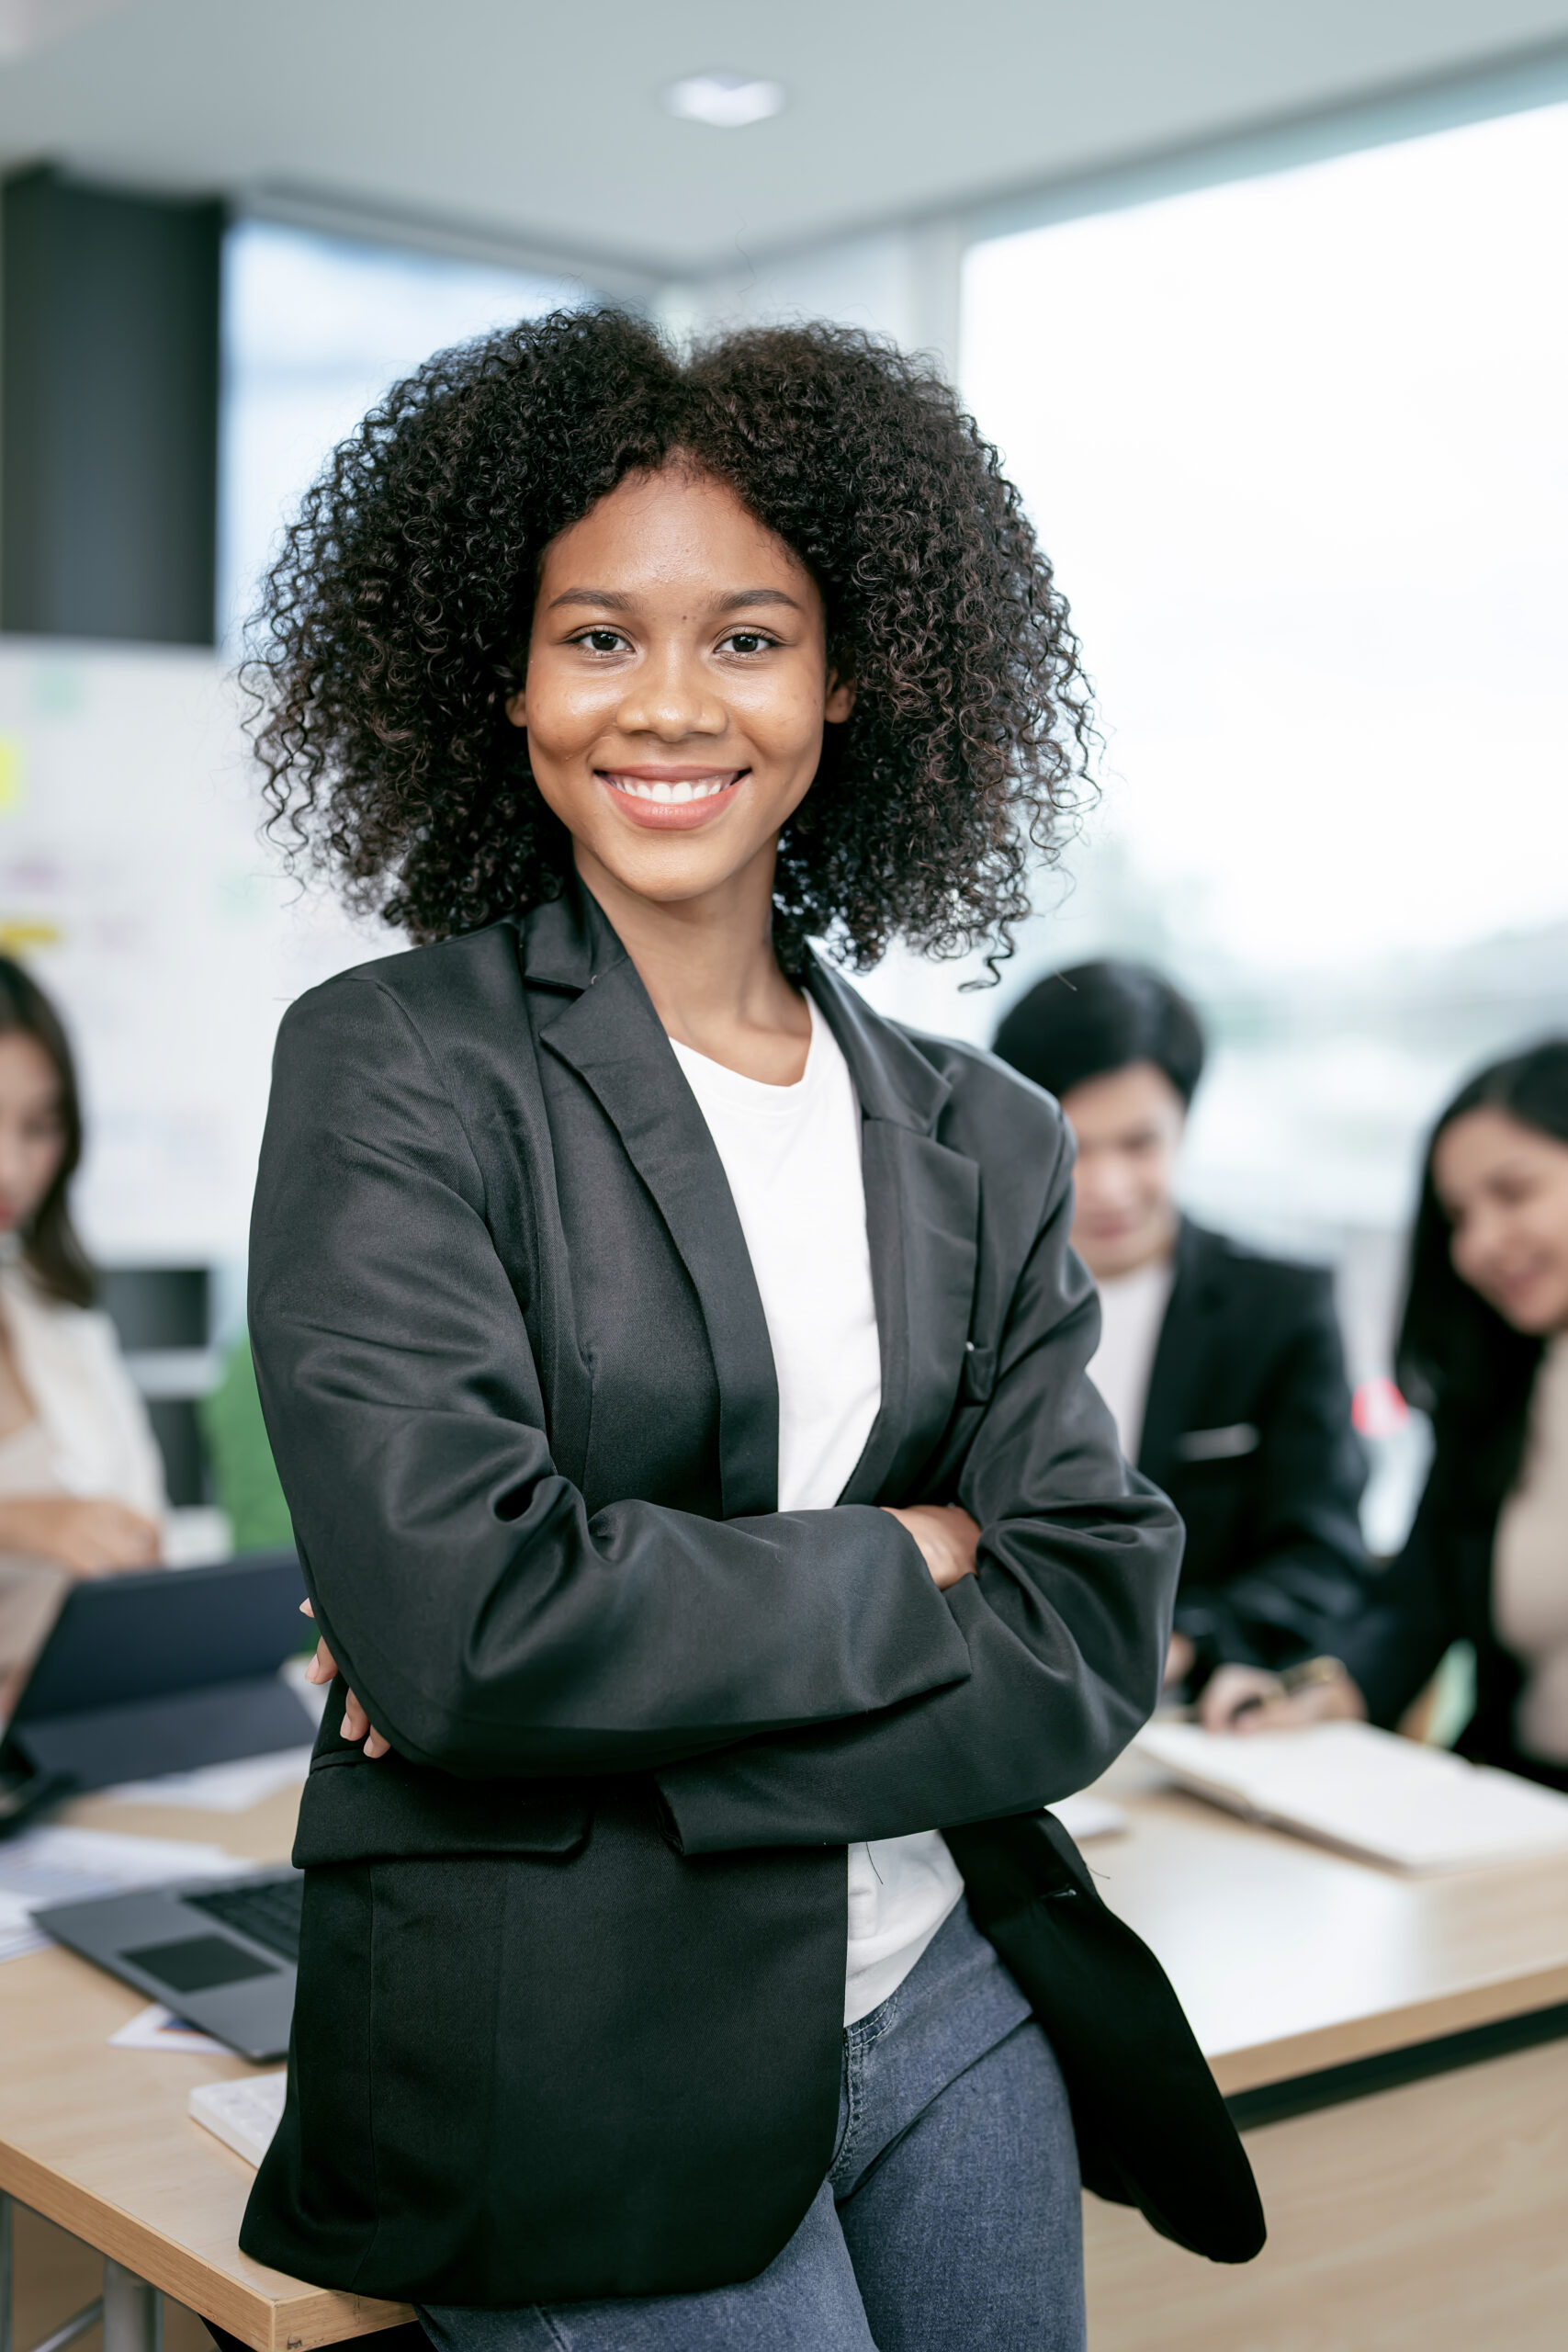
column 602, row 641
column 748, row 640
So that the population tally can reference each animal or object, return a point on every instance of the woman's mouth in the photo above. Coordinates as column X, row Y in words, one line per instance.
column 666, row 800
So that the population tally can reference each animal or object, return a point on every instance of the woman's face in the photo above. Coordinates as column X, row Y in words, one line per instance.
column 32, row 1132
column 1505, row 1188
column 677, row 687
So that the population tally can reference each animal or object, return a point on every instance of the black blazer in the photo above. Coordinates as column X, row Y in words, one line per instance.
column 1439, row 1591
column 571, row 1978
column 1247, row 1428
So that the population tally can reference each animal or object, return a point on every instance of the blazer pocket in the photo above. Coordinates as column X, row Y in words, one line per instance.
column 359, row 1810
column 1218, row 1445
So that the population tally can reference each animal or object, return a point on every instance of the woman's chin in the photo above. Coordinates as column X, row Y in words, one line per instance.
column 1538, row 1312
column 670, row 869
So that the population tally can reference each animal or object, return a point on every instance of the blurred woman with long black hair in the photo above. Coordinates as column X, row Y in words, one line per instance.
column 81, row 1477
column 1484, row 1349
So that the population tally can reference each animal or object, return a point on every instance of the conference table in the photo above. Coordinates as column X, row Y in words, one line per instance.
column 1396, row 2050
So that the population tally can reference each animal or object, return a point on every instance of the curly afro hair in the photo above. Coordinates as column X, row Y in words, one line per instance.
column 396, row 620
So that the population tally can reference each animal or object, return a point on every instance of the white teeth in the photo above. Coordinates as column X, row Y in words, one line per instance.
column 669, row 795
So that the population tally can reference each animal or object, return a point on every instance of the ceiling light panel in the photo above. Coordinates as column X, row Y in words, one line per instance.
column 725, row 101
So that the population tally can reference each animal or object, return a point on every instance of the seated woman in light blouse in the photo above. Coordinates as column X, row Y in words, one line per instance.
column 81, row 1478
column 1485, row 1350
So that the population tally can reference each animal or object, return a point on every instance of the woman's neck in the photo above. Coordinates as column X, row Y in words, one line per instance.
column 710, row 971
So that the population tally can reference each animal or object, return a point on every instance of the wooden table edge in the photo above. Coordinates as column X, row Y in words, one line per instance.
column 299, row 2318
column 1373, row 2036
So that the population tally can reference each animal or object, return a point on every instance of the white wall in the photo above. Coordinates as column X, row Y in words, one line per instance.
column 132, row 880
column 901, row 282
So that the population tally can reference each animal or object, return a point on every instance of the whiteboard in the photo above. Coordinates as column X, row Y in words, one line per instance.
column 134, row 887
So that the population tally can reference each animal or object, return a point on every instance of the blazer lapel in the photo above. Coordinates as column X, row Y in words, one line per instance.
column 1174, row 1377
column 922, row 1202
column 922, row 1208
column 610, row 1034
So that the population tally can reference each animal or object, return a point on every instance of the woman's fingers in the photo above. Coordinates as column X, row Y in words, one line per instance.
column 356, row 1723
column 947, row 1537
column 324, row 1666
column 1236, row 1696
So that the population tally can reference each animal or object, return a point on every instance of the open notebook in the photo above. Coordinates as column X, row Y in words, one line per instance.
column 1366, row 1792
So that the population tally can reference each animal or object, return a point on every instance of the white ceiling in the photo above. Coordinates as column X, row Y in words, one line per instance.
column 540, row 127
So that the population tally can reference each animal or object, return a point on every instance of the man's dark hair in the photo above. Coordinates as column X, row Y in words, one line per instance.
column 1096, row 1018
column 396, row 624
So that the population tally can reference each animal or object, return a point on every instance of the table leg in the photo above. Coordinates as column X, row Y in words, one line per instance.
column 61, row 2336
column 133, row 2312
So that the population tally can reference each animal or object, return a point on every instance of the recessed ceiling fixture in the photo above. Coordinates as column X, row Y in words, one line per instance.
column 727, row 101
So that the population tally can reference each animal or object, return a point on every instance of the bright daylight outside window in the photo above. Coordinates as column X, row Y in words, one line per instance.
column 315, row 329
column 1298, row 447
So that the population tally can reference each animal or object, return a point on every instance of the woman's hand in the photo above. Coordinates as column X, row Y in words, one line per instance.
column 1246, row 1699
column 356, row 1723
column 946, row 1535
column 87, row 1535
column 1180, row 1659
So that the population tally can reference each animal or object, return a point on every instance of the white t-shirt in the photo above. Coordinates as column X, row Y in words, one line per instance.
column 793, row 1158
column 1131, row 1310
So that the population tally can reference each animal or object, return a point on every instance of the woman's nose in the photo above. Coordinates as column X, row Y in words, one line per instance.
column 672, row 698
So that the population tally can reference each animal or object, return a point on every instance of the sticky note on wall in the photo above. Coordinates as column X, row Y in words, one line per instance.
column 13, row 773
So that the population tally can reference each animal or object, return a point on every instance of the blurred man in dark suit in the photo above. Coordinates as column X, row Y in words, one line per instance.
column 1223, row 1368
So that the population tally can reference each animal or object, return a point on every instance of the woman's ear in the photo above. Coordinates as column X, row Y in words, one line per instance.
column 841, row 699
column 514, row 707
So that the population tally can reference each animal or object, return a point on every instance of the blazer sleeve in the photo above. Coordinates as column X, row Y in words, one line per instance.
column 1307, row 1577
column 1067, row 1623
column 1412, row 1615
column 490, row 1623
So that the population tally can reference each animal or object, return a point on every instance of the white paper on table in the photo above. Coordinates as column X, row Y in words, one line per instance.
column 156, row 2027
column 1087, row 1815
column 244, row 2113
column 42, row 1866
column 218, row 1787
column 1366, row 1792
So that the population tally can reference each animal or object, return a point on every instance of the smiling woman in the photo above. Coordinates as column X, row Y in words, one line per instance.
column 398, row 620
column 676, row 1374
column 676, row 659
column 1484, row 1348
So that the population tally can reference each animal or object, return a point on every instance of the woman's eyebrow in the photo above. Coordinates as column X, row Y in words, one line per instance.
column 611, row 600
column 745, row 597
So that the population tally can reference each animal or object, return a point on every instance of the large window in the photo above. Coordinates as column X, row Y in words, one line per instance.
column 315, row 329
column 1299, row 448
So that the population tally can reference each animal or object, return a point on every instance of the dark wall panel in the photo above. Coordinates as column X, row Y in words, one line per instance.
column 108, row 431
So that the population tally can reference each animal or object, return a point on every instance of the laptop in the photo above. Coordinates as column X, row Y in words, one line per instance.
column 166, row 1671
column 162, row 1670
column 221, row 1954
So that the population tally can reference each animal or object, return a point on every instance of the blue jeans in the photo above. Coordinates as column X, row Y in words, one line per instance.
column 950, row 2222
